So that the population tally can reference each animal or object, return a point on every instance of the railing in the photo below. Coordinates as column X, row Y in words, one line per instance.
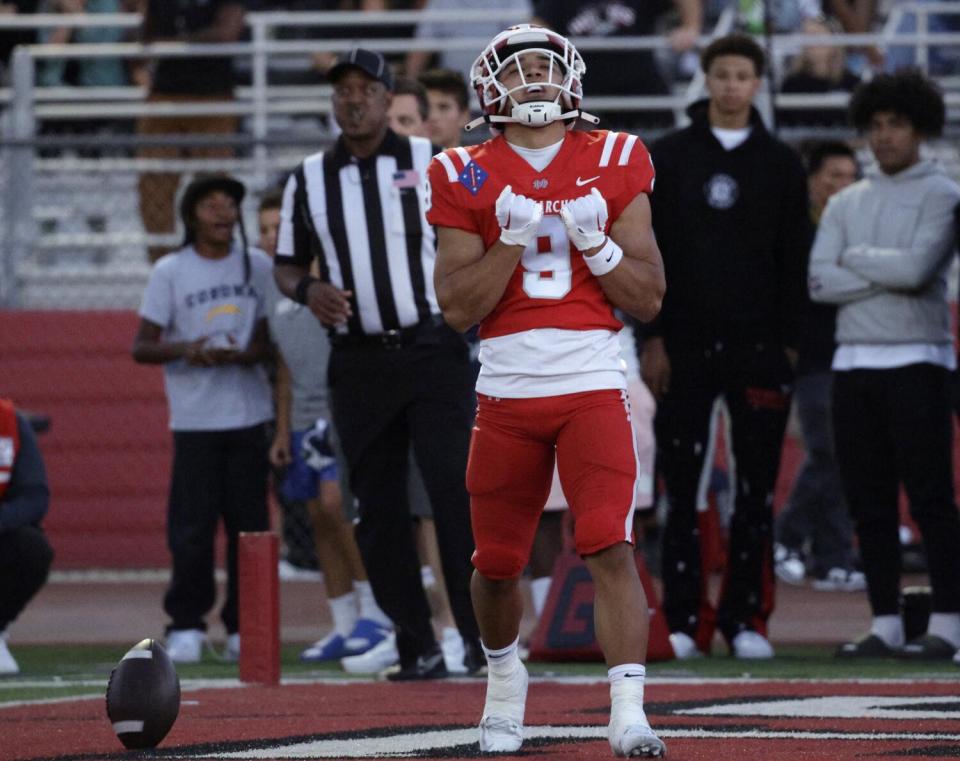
column 260, row 102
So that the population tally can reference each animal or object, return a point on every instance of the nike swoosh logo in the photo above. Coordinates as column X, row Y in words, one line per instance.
column 581, row 183
column 608, row 259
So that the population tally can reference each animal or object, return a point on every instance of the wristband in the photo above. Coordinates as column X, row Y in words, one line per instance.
column 605, row 259
column 300, row 292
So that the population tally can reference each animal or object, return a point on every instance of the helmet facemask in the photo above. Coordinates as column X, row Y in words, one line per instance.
column 560, row 90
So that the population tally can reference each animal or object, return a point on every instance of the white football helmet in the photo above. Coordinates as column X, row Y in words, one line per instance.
column 498, row 102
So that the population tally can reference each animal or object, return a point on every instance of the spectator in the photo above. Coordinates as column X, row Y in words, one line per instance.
column 816, row 512
column 542, row 278
column 461, row 61
column 881, row 254
column 728, row 328
column 11, row 38
column 184, row 81
column 449, row 112
column 625, row 72
column 88, row 72
column 817, row 69
column 398, row 375
column 304, row 447
column 409, row 108
column 203, row 319
column 787, row 15
column 25, row 553
column 857, row 17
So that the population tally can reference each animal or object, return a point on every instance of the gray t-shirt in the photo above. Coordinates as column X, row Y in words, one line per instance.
column 305, row 347
column 191, row 297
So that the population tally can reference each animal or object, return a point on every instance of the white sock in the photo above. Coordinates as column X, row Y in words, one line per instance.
column 889, row 629
column 945, row 626
column 626, row 694
column 343, row 609
column 368, row 606
column 503, row 662
column 539, row 589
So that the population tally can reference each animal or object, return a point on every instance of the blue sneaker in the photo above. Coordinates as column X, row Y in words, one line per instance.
column 366, row 634
column 330, row 648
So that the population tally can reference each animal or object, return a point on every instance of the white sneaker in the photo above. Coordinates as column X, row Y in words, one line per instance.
column 841, row 580
column 8, row 664
column 683, row 646
column 501, row 728
column 185, row 645
column 451, row 643
column 231, row 653
column 375, row 660
column 788, row 565
column 287, row 571
column 636, row 740
column 751, row 645
column 629, row 731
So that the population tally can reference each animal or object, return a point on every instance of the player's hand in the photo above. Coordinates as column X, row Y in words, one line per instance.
column 519, row 217
column 586, row 220
column 330, row 305
column 655, row 367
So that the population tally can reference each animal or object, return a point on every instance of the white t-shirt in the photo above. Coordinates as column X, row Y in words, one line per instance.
column 190, row 297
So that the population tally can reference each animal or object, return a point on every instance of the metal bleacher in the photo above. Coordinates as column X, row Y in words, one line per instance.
column 69, row 218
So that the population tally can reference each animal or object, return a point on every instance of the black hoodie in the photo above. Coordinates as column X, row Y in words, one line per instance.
column 734, row 230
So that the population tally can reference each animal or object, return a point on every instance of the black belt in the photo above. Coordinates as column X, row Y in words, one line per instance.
column 389, row 339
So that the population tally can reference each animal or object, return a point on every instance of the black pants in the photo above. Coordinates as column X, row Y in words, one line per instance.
column 216, row 474
column 25, row 558
column 894, row 427
column 383, row 400
column 754, row 380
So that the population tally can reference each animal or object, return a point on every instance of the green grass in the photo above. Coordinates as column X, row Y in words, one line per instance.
column 61, row 671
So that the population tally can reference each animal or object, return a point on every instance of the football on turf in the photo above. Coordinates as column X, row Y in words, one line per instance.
column 143, row 695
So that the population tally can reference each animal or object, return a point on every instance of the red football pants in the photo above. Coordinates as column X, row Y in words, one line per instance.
column 511, row 467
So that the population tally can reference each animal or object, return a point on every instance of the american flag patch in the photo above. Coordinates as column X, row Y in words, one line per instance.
column 406, row 178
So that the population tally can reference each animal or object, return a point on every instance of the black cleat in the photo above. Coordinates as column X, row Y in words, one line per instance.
column 474, row 660
column 868, row 646
column 429, row 666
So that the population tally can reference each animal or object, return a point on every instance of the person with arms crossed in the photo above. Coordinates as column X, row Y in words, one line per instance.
column 523, row 222
column 882, row 252
column 397, row 374
column 25, row 553
column 203, row 319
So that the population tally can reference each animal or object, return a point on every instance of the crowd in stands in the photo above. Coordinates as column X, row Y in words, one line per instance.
column 815, row 69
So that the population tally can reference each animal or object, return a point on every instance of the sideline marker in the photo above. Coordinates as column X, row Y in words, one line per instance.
column 259, row 595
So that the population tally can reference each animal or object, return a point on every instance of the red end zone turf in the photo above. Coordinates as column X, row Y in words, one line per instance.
column 700, row 721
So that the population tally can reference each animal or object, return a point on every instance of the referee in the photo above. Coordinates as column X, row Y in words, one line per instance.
column 397, row 374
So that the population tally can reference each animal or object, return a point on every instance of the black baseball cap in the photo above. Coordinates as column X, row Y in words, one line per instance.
column 203, row 185
column 373, row 64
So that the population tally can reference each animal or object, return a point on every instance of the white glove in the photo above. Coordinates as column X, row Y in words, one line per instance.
column 585, row 219
column 519, row 218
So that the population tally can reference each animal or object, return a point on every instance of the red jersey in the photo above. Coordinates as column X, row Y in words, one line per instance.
column 551, row 286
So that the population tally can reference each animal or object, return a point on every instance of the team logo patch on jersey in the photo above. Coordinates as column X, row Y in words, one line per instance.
column 540, row 183
column 721, row 191
column 472, row 177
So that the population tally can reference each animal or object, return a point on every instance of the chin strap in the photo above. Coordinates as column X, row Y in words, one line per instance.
column 498, row 119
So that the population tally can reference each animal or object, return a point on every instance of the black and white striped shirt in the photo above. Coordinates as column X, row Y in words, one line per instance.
column 364, row 219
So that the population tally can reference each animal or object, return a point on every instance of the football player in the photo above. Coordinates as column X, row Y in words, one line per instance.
column 543, row 231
